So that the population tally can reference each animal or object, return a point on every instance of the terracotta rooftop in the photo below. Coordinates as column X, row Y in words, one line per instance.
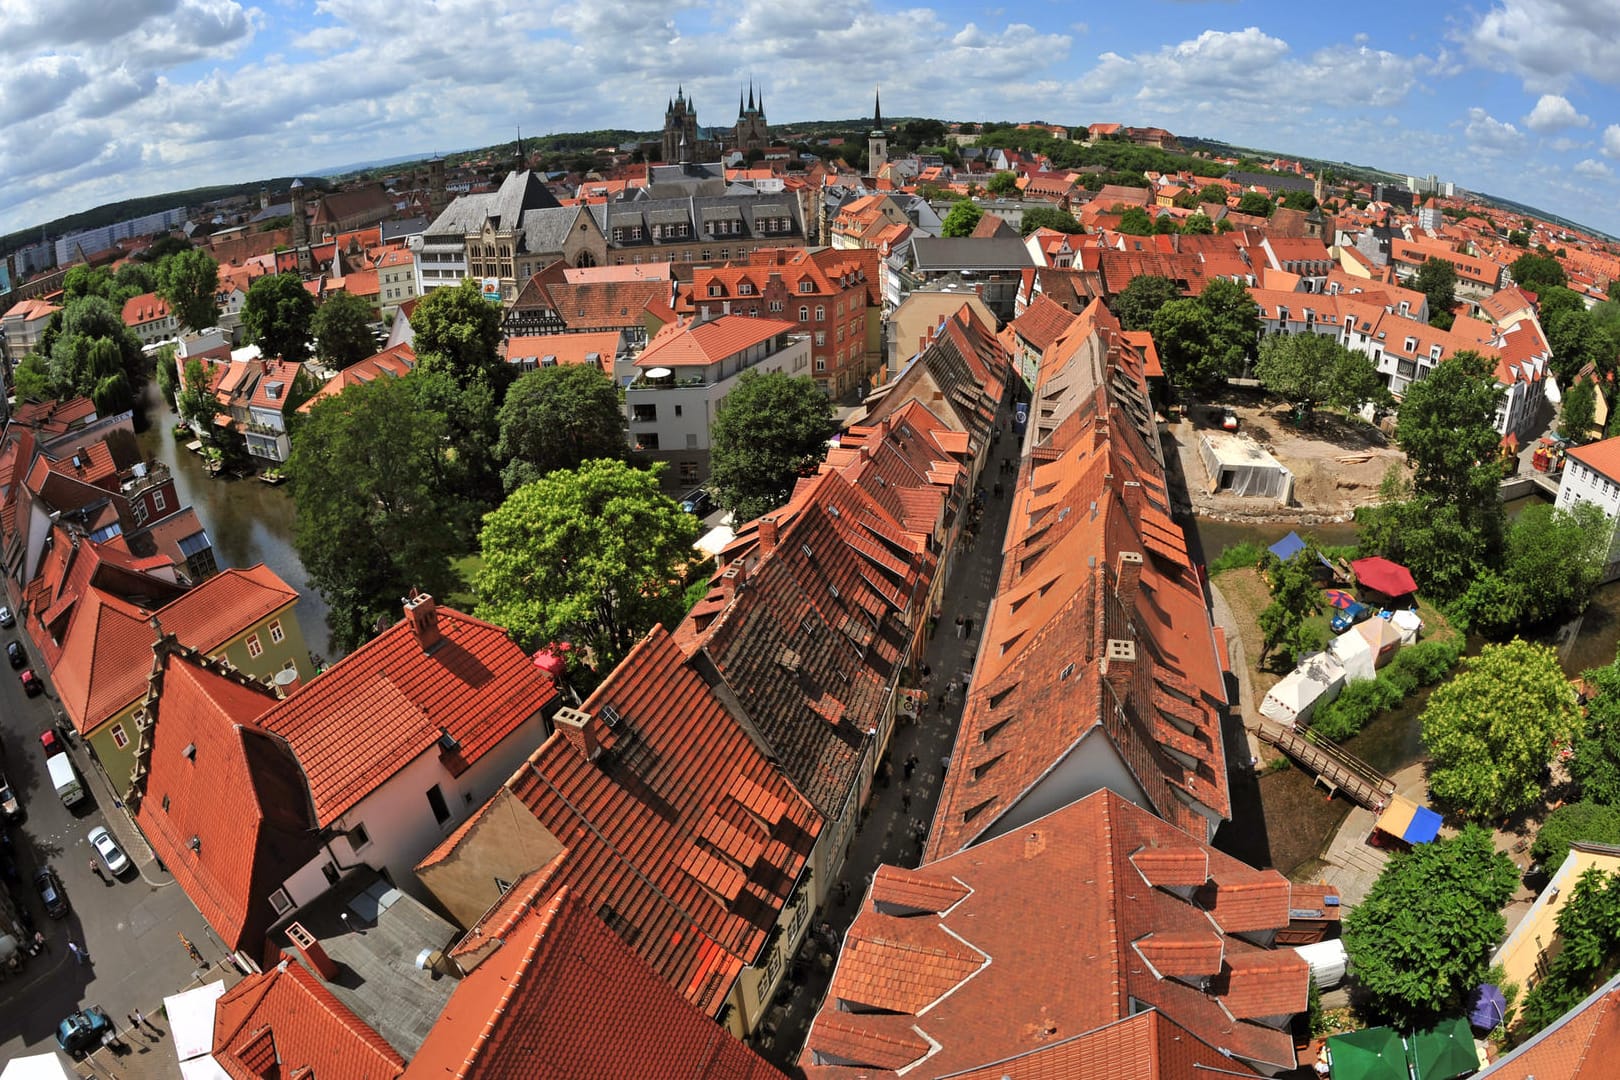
column 685, row 345
column 284, row 1023
column 564, row 997
column 406, row 689
column 395, row 361
column 678, row 825
column 221, row 801
column 1144, row 1046
column 1602, row 457
column 596, row 349
column 934, row 985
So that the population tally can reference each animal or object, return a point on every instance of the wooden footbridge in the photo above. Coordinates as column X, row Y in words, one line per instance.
column 1335, row 768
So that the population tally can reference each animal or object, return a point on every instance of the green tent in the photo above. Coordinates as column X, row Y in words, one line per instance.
column 1443, row 1052
column 1369, row 1054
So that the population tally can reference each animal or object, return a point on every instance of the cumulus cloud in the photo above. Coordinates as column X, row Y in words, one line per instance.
column 1490, row 135
column 1552, row 112
column 1593, row 169
column 1549, row 42
column 1611, row 141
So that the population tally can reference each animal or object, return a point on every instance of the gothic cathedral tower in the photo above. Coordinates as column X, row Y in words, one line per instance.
column 877, row 143
column 680, row 126
column 752, row 134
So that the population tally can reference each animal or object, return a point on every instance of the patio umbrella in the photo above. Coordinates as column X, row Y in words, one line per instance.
column 1389, row 578
column 1338, row 598
column 1445, row 1052
column 1368, row 1054
column 1486, row 1006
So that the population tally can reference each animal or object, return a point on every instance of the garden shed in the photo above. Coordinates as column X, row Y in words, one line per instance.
column 1237, row 465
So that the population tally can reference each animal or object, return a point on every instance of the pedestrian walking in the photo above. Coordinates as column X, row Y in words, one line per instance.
column 95, row 868
column 905, row 801
column 135, row 1019
column 969, row 624
column 959, row 631
column 927, row 672
column 944, row 765
column 79, row 955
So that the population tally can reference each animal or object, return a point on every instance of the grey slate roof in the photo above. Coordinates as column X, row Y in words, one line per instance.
column 699, row 211
column 936, row 253
column 503, row 207
column 546, row 230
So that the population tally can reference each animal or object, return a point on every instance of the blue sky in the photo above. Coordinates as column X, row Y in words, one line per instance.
column 106, row 99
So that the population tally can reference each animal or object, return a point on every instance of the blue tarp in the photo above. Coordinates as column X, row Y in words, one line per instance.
column 1288, row 547
column 1424, row 828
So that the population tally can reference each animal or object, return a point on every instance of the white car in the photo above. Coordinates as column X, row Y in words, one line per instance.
column 111, row 854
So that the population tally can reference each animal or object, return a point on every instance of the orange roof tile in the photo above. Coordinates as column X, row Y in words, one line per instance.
column 1581, row 1045
column 285, row 1023
column 685, row 345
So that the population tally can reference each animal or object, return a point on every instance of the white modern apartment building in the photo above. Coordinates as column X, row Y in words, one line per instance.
column 1592, row 474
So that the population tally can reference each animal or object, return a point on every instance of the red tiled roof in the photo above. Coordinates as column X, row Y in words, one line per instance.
column 1042, row 322
column 283, row 1023
column 564, row 997
column 566, row 349
column 222, row 802
column 975, row 986
column 475, row 684
column 1582, row 1045
column 1145, row 1046
column 1602, row 457
column 395, row 361
column 685, row 345
column 145, row 308
column 681, row 827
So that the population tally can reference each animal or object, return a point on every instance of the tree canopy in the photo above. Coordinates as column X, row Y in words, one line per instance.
column 1589, row 936
column 462, row 328
column 1206, row 339
column 1252, row 202
column 1295, row 597
column 613, row 549
column 1537, row 272
column 367, row 473
column 195, row 403
column 1578, row 412
column 1551, row 564
column 1141, row 299
column 1049, row 217
column 1421, row 939
column 963, row 218
column 1437, row 280
column 558, row 418
column 1002, row 184
column 1492, row 729
column 769, row 428
column 1596, row 764
column 1314, row 369
column 1136, row 221
column 277, row 315
column 189, row 281
column 342, row 327
column 1198, row 224
column 85, row 350
column 1590, row 822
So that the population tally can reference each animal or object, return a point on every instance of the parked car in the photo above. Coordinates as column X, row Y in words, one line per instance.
column 7, row 619
column 30, row 682
column 10, row 808
column 111, row 854
column 83, row 1031
column 50, row 743
column 698, row 501
column 49, row 887
column 1346, row 618
column 16, row 654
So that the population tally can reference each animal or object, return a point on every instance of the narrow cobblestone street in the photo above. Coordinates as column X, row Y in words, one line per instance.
column 900, row 806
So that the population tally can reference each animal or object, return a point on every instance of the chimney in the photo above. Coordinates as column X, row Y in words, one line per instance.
column 579, row 728
column 767, row 534
column 1131, row 494
column 1127, row 575
column 423, row 615
column 1119, row 664
column 310, row 949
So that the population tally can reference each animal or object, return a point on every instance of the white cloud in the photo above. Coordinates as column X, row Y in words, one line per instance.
column 1552, row 112
column 1611, row 141
column 1489, row 135
column 1593, row 169
column 1548, row 42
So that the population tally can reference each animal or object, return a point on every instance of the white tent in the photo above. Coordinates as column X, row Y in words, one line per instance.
column 1327, row 960
column 1354, row 653
column 52, row 1066
column 191, row 1025
column 1407, row 624
column 1382, row 637
column 1236, row 464
column 1318, row 678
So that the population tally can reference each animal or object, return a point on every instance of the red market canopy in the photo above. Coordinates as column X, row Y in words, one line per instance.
column 1389, row 578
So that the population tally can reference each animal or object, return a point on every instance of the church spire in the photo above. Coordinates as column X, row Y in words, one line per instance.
column 750, row 95
column 877, row 110
column 740, row 112
column 519, row 148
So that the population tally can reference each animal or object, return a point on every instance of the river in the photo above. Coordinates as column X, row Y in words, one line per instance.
column 1299, row 818
column 249, row 521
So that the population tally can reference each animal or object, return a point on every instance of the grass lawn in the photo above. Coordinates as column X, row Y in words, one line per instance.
column 467, row 568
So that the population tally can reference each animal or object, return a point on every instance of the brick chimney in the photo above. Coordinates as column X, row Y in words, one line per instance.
column 1119, row 665
column 309, row 947
column 1127, row 576
column 1131, row 494
column 423, row 615
column 767, row 534
column 579, row 728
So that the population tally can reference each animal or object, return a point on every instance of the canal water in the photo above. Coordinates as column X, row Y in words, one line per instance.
column 1300, row 819
column 248, row 520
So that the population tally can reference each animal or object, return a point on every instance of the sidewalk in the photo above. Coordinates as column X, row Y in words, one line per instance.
column 148, row 1054
column 885, row 834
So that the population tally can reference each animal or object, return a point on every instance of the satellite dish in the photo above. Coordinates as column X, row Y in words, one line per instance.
column 659, row 373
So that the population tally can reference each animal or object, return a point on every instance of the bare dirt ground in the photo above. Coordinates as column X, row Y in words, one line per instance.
column 1337, row 463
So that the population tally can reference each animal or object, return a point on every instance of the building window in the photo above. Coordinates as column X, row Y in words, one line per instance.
column 821, row 338
column 254, row 646
column 807, row 286
column 277, row 634
column 776, row 306
column 804, row 313
column 746, row 289
column 502, row 886
column 821, row 312
column 715, row 290
column 120, row 737
column 441, row 809
column 358, row 837
column 821, row 363
column 689, row 471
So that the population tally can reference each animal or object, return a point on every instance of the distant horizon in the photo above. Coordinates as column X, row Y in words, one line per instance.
column 1514, row 97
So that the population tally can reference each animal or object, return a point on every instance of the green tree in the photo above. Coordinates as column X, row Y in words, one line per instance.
column 1255, row 203
column 1519, row 238
column 189, row 281
column 277, row 315
column 168, row 375
column 1295, row 597
column 342, row 327
column 162, row 247
column 1002, row 184
column 88, row 350
column 1437, row 280
column 768, row 429
column 1205, row 340
column 1049, row 217
column 1421, row 939
column 82, row 281
column 1136, row 221
column 1197, row 224
column 136, row 277
column 613, row 551
column 1222, row 227
column 1447, row 429
column 1552, row 562
column 962, row 219
column 1590, row 822
column 367, row 478
column 1298, row 200
column 1537, row 272
column 1589, row 934
column 1579, row 412
column 1213, row 193
column 1596, row 764
column 1185, row 200
column 1491, row 730
column 1142, row 298
column 195, row 402
column 1313, row 369
column 558, row 418
column 464, row 329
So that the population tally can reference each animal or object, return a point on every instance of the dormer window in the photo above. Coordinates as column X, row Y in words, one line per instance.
column 746, row 289
column 1411, row 344
column 807, row 286
column 716, row 290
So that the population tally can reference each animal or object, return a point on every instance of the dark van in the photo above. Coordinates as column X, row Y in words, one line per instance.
column 698, row 501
